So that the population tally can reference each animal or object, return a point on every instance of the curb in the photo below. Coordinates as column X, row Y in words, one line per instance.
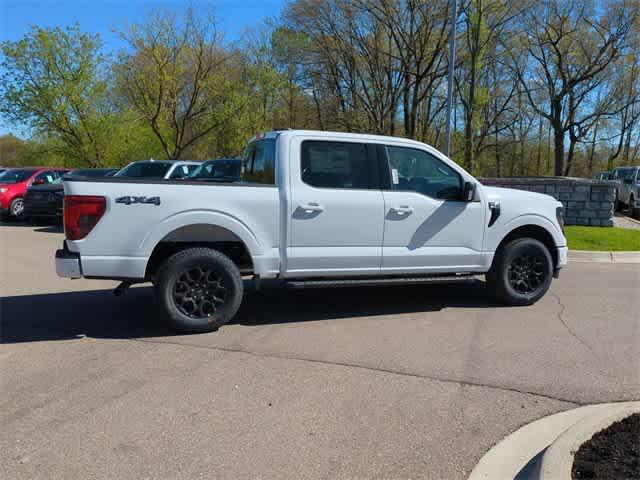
column 530, row 453
column 557, row 461
column 586, row 256
column 508, row 457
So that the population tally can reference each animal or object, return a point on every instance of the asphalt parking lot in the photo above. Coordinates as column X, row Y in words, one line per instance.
column 412, row 382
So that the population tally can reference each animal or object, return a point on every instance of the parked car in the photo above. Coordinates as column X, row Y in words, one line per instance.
column 14, row 183
column 45, row 201
column 606, row 175
column 158, row 169
column 221, row 170
column 314, row 209
column 628, row 189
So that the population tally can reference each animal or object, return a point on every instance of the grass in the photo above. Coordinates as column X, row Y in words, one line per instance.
column 602, row 238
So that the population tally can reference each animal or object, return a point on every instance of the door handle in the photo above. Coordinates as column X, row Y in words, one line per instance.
column 312, row 207
column 402, row 210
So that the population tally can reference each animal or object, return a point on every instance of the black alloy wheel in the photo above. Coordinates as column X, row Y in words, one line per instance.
column 521, row 272
column 527, row 272
column 199, row 292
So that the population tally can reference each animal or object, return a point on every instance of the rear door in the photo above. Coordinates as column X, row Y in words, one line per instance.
column 428, row 227
column 336, row 208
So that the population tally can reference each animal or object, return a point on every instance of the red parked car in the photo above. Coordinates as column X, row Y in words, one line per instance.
column 14, row 183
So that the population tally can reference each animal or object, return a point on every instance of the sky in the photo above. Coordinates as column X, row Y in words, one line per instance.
column 102, row 16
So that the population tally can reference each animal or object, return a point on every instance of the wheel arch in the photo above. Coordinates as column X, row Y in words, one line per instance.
column 534, row 231
column 217, row 231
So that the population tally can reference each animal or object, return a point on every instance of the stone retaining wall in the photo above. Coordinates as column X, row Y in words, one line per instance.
column 586, row 202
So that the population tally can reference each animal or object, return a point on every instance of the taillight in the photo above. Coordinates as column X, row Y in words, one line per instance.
column 81, row 214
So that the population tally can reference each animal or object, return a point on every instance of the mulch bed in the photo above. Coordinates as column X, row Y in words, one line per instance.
column 611, row 454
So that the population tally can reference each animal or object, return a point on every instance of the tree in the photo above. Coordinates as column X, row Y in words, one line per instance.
column 13, row 151
column 179, row 78
column 52, row 83
column 570, row 47
column 485, row 22
column 355, row 53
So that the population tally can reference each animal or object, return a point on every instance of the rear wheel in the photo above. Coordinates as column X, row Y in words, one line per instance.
column 198, row 290
column 16, row 209
column 521, row 272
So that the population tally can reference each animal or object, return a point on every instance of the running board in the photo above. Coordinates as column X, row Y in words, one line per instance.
column 368, row 282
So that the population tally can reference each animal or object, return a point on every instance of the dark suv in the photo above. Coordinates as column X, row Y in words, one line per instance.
column 46, row 200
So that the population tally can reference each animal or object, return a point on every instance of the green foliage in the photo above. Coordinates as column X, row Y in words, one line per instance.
column 377, row 66
column 602, row 239
column 54, row 82
column 13, row 151
column 51, row 83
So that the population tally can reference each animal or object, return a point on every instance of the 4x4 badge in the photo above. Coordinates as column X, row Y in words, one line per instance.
column 129, row 200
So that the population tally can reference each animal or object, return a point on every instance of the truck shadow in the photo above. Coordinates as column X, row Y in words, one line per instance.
column 40, row 226
column 98, row 314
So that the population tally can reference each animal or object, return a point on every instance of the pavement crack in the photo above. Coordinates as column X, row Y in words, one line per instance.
column 364, row 367
column 580, row 340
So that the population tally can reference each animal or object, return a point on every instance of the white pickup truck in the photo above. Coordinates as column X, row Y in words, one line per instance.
column 313, row 209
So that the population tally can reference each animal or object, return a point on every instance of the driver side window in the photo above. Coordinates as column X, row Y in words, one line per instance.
column 44, row 178
column 419, row 171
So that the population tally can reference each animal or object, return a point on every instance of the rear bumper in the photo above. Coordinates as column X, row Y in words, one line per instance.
column 68, row 264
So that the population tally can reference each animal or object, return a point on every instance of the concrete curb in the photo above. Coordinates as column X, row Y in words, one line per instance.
column 508, row 458
column 585, row 256
column 557, row 461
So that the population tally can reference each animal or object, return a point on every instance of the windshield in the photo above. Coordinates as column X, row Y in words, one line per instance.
column 218, row 169
column 15, row 175
column 90, row 172
column 145, row 170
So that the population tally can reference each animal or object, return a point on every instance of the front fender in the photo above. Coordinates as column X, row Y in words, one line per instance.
column 495, row 237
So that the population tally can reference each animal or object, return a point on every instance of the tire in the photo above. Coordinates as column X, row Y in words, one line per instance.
column 198, row 290
column 16, row 209
column 634, row 212
column 521, row 272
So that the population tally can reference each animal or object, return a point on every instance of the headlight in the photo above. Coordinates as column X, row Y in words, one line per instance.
column 560, row 217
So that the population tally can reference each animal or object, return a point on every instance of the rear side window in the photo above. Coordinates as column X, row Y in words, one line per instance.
column 341, row 165
column 259, row 161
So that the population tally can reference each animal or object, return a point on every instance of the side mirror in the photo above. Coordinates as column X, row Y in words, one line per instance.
column 468, row 191
column 38, row 181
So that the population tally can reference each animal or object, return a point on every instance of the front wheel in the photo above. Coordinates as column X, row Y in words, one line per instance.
column 634, row 211
column 617, row 205
column 521, row 272
column 198, row 290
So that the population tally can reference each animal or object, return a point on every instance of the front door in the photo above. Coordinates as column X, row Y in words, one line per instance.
column 428, row 228
column 336, row 209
